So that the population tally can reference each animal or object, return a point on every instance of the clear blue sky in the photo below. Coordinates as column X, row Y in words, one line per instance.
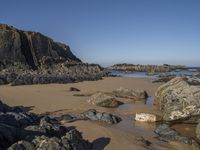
column 115, row 31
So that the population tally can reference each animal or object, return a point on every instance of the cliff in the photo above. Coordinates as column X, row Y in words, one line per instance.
column 32, row 58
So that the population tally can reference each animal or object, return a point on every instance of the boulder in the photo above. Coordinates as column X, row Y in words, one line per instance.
column 130, row 93
column 178, row 100
column 167, row 134
column 100, row 116
column 91, row 114
column 22, row 145
column 147, row 117
column 103, row 100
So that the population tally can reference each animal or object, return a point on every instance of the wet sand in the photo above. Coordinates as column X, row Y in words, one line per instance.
column 57, row 99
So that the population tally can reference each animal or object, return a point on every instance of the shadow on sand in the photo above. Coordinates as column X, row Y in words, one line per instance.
column 100, row 143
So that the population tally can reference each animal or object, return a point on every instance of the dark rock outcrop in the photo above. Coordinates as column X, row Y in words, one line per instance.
column 146, row 68
column 91, row 114
column 27, row 131
column 167, row 134
column 31, row 58
column 32, row 48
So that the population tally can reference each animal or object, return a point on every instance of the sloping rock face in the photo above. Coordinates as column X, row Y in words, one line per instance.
column 31, row 58
column 179, row 100
column 146, row 68
column 30, row 47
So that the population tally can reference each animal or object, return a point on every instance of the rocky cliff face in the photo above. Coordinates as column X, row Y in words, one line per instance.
column 30, row 48
column 31, row 57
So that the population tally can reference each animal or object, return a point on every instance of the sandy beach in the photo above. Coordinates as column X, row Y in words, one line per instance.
column 57, row 99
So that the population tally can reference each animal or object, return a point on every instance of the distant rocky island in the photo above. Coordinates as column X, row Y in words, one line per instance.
column 147, row 68
column 28, row 57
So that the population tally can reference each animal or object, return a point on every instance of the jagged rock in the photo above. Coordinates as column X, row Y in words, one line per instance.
column 103, row 100
column 31, row 48
column 100, row 116
column 18, row 119
column 147, row 117
column 52, row 126
column 22, row 131
column 167, row 134
column 91, row 114
column 71, row 141
column 22, row 145
column 146, row 68
column 31, row 58
column 178, row 100
column 130, row 93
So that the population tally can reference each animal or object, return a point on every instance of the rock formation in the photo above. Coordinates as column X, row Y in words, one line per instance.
column 92, row 115
column 103, row 100
column 30, row 58
column 179, row 100
column 134, row 94
column 167, row 134
column 146, row 68
column 25, row 130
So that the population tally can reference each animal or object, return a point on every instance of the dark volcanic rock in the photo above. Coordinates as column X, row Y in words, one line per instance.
column 91, row 114
column 20, row 130
column 32, row 58
column 18, row 119
column 167, row 134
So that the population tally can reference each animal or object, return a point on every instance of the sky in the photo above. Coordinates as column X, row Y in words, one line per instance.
column 115, row 31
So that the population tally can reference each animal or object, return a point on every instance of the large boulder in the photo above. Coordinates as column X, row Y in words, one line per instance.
column 178, row 100
column 103, row 100
column 130, row 93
